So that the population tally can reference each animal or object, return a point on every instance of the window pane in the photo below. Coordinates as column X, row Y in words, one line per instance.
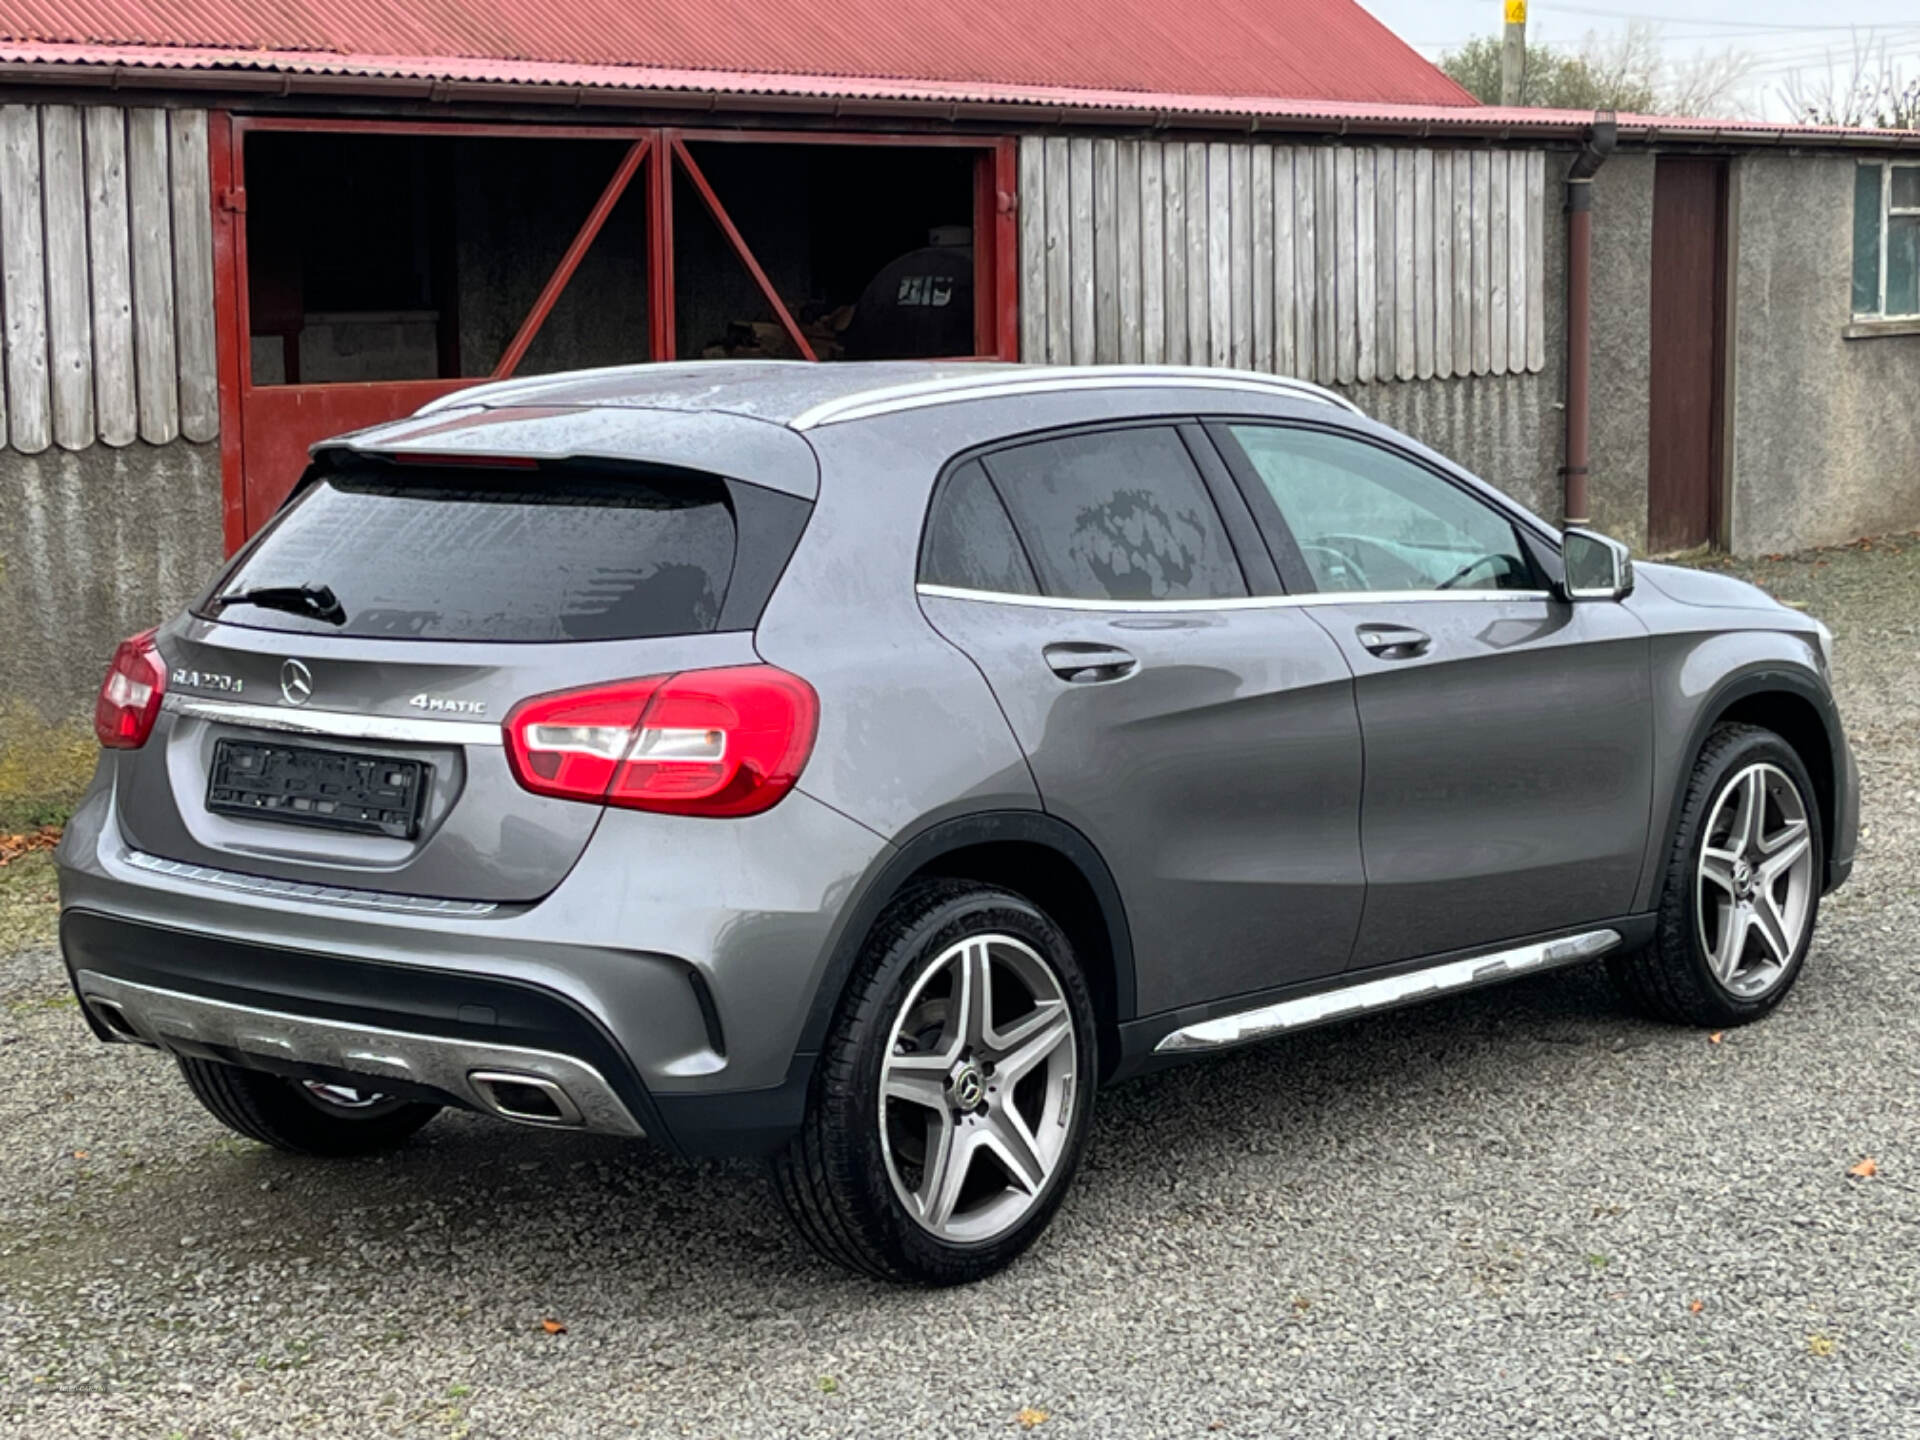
column 1866, row 240
column 475, row 555
column 970, row 540
column 1903, row 265
column 1367, row 519
column 1906, row 187
column 1121, row 515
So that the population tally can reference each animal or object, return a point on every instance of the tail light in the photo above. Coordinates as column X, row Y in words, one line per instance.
column 130, row 695
column 702, row 742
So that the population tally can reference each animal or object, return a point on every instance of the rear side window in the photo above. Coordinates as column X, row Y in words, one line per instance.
column 970, row 541
column 498, row 554
column 1117, row 515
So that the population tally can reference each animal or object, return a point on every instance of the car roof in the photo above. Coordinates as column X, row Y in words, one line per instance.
column 802, row 395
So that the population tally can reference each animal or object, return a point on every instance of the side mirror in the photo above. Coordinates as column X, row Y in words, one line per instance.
column 1597, row 568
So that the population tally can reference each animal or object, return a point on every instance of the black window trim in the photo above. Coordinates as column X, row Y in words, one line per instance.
column 1262, row 581
column 1286, row 549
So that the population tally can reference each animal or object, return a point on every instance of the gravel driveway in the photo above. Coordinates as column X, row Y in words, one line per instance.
column 1516, row 1209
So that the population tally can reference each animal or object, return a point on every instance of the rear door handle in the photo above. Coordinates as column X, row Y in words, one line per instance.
column 1079, row 663
column 1393, row 642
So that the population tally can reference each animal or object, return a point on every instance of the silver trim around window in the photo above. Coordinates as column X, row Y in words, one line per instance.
column 341, row 724
column 273, row 888
column 1245, row 602
column 468, row 1070
column 998, row 384
column 1387, row 992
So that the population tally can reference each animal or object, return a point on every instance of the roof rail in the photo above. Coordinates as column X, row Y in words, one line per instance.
column 992, row 384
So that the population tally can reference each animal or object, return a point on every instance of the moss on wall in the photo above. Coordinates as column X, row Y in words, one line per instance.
column 44, row 765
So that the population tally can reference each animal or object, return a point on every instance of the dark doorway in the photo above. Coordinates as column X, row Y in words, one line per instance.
column 1685, row 454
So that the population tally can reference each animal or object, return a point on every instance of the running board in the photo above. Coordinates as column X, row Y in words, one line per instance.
column 1387, row 992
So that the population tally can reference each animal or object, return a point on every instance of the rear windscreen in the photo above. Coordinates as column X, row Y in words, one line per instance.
column 491, row 555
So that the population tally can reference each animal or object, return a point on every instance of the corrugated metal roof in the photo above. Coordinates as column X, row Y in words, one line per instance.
column 1300, row 49
column 451, row 77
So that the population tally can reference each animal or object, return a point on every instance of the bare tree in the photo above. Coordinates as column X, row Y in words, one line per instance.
column 1625, row 69
column 1865, row 87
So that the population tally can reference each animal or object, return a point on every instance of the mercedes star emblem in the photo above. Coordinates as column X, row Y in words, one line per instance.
column 296, row 682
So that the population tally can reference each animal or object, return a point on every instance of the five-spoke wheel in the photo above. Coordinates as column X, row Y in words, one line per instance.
column 977, row 1087
column 951, row 1100
column 1756, row 879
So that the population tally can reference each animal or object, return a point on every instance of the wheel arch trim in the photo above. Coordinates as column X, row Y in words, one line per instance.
column 1769, row 678
column 949, row 836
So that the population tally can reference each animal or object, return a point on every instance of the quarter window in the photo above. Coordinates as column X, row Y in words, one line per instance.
column 1117, row 515
column 1886, row 241
column 970, row 541
column 1366, row 519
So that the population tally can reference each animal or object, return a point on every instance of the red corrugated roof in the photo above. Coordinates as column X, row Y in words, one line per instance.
column 1325, row 50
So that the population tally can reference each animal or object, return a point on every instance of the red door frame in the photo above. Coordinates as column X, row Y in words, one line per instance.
column 291, row 412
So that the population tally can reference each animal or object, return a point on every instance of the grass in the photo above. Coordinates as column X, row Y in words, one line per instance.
column 28, row 917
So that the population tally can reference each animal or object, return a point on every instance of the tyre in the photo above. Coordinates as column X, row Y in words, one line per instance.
column 1741, row 889
column 303, row 1117
column 951, row 1101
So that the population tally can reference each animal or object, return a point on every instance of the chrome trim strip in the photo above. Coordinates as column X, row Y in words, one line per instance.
column 997, row 384
column 1248, row 602
column 343, row 724
column 271, row 888
column 178, row 1022
column 1387, row 992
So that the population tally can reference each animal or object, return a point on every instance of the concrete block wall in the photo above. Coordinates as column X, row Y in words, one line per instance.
column 1826, row 429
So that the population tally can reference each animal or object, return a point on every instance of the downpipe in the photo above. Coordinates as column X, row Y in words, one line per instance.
column 1601, row 139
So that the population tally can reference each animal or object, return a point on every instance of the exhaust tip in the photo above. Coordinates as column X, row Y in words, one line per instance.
column 528, row 1099
column 110, row 1014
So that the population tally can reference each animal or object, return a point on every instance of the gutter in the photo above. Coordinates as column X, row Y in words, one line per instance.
column 1600, row 142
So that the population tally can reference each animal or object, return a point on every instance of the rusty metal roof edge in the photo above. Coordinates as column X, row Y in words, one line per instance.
column 453, row 79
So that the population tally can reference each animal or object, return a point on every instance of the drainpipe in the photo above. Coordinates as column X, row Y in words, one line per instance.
column 1601, row 139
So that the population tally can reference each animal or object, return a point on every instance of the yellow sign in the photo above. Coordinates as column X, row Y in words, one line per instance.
column 1516, row 12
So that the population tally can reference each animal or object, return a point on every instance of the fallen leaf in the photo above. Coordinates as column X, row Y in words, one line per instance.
column 553, row 1327
column 1865, row 1170
column 80, row 1154
column 1696, row 1306
column 1820, row 1345
column 12, row 847
column 1301, row 1302
column 1030, row 1417
column 1716, row 1037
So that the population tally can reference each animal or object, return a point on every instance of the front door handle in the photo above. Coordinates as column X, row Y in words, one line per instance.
column 1079, row 663
column 1393, row 642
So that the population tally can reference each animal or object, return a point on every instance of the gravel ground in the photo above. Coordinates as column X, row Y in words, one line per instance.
column 1517, row 1209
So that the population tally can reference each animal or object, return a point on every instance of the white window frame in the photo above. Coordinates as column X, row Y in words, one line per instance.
column 1888, row 210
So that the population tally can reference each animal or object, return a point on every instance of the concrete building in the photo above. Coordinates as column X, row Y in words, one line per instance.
column 224, row 235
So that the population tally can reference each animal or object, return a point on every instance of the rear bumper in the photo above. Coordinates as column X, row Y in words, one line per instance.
column 662, row 988
column 426, row 1035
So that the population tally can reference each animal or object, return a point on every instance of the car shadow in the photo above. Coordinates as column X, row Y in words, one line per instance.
column 648, row 1229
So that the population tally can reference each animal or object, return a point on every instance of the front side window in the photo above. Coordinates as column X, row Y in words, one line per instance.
column 1117, row 515
column 1366, row 519
column 1886, row 241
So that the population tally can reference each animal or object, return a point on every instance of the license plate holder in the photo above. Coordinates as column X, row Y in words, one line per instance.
column 327, row 789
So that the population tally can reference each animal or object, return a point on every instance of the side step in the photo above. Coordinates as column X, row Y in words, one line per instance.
column 1387, row 992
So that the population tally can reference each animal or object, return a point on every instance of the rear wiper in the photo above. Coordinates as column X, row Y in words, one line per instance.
column 316, row 602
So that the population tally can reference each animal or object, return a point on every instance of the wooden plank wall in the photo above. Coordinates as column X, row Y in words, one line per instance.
column 106, row 277
column 1347, row 264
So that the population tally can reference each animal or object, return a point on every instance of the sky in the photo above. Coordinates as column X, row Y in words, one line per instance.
column 1782, row 36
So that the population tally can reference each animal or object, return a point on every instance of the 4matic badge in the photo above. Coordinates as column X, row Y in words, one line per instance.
column 433, row 704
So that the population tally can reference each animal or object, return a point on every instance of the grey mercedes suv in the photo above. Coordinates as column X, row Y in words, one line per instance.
column 860, row 765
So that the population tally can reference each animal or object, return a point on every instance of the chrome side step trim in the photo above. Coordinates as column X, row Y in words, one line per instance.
column 271, row 888
column 468, row 1069
column 342, row 724
column 1387, row 992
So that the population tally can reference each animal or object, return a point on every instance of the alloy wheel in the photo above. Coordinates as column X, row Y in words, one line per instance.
column 977, row 1088
column 1755, row 885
